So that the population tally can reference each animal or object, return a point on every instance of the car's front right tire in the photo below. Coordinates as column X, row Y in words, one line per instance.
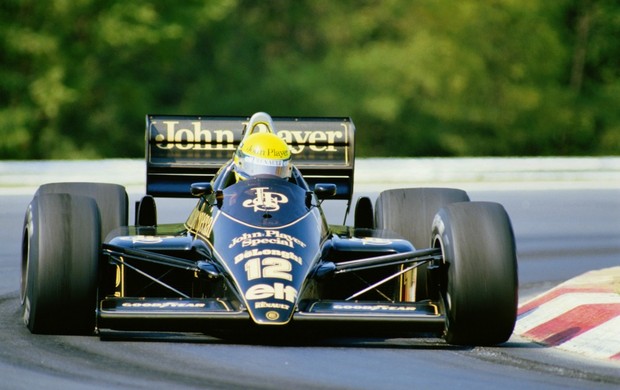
column 60, row 255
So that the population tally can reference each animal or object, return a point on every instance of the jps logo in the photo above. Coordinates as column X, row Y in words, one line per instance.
column 265, row 200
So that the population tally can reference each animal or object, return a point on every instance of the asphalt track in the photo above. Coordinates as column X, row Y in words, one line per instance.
column 561, row 233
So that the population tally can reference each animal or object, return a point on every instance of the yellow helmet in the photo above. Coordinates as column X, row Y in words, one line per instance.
column 263, row 154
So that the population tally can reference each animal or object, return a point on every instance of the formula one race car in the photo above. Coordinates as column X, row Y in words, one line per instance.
column 257, row 255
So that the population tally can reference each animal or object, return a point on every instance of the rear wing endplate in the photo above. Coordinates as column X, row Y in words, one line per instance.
column 181, row 150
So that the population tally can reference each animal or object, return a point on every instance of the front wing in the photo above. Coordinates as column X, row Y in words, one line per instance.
column 202, row 315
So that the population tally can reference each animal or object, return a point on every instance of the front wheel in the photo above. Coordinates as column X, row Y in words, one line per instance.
column 479, row 283
column 60, row 255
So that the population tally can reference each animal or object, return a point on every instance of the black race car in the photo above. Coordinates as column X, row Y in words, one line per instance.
column 258, row 256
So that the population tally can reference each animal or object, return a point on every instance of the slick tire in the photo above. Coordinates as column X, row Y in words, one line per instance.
column 60, row 255
column 111, row 200
column 479, row 288
column 409, row 213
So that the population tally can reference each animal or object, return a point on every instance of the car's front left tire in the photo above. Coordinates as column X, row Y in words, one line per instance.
column 479, row 287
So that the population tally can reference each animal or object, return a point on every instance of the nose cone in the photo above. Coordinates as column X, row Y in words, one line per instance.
column 270, row 268
column 267, row 245
column 270, row 276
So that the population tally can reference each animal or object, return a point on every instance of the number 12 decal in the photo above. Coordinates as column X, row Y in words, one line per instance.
column 269, row 267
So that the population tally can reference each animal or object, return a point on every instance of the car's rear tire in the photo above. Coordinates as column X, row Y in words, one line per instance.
column 479, row 287
column 60, row 255
column 111, row 200
column 409, row 213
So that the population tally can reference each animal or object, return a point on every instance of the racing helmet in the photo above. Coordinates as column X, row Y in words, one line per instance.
column 262, row 154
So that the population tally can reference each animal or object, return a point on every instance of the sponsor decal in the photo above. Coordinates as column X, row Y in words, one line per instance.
column 265, row 201
column 164, row 305
column 192, row 136
column 268, row 156
column 277, row 291
column 250, row 253
column 271, row 305
column 274, row 237
column 144, row 239
column 317, row 141
column 200, row 222
column 371, row 307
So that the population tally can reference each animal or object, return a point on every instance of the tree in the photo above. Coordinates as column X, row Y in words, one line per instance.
column 419, row 78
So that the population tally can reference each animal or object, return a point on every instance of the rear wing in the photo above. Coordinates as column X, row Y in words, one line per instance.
column 181, row 150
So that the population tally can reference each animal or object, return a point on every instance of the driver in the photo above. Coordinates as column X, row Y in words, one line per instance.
column 262, row 154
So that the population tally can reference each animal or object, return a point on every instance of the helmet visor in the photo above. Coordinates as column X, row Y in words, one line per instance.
column 251, row 166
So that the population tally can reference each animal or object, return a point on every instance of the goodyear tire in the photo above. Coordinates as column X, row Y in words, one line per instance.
column 60, row 255
column 111, row 200
column 479, row 290
column 409, row 213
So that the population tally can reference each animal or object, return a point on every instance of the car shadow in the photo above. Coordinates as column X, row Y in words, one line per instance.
column 415, row 342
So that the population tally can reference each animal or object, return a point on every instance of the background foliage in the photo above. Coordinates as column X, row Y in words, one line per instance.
column 419, row 78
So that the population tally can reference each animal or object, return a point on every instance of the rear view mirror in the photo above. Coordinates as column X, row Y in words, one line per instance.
column 325, row 190
column 200, row 189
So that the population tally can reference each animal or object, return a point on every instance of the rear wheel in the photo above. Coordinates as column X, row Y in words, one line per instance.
column 111, row 200
column 409, row 213
column 479, row 287
column 60, row 255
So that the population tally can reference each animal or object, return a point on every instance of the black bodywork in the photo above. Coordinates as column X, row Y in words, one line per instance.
column 259, row 252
